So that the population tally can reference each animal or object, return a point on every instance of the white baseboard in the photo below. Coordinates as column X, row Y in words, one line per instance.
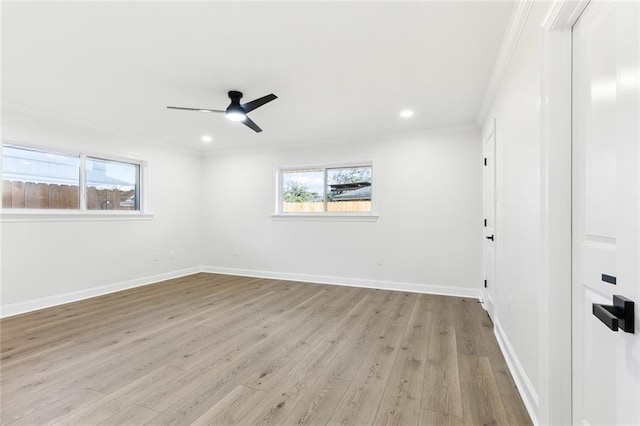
column 526, row 389
column 350, row 282
column 487, row 304
column 59, row 299
column 47, row 302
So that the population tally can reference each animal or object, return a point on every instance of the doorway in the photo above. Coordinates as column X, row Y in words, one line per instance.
column 490, row 282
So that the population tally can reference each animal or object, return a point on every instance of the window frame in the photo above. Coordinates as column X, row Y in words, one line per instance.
column 82, row 213
column 325, row 215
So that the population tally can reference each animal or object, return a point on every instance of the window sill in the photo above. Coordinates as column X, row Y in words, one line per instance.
column 24, row 215
column 329, row 217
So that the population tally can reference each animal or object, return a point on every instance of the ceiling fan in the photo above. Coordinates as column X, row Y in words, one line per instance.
column 236, row 111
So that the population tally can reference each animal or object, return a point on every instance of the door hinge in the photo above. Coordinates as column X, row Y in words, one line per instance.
column 485, row 161
column 485, row 283
column 485, row 222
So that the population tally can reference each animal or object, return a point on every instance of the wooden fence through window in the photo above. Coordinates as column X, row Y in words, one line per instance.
column 332, row 206
column 29, row 195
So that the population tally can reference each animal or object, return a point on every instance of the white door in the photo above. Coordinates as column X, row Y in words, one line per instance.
column 606, row 212
column 490, row 219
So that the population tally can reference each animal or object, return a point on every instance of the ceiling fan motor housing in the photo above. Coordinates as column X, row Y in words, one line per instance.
column 235, row 106
column 235, row 97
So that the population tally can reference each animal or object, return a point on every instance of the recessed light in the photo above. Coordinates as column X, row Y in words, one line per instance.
column 204, row 110
column 206, row 139
column 406, row 113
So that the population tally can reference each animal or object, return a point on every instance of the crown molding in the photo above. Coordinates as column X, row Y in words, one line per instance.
column 563, row 14
column 510, row 40
column 353, row 140
column 54, row 118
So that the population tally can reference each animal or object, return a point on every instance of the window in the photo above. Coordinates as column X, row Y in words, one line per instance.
column 303, row 191
column 326, row 189
column 111, row 185
column 40, row 179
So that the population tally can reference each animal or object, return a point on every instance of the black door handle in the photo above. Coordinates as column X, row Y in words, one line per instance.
column 489, row 238
column 618, row 315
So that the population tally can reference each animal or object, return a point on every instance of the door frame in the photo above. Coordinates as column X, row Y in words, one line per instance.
column 555, row 301
column 488, row 302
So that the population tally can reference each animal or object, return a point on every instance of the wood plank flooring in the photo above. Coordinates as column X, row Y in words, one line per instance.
column 215, row 349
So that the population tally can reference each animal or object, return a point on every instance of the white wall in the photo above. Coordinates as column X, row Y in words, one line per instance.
column 45, row 263
column 429, row 202
column 516, row 110
column 429, row 194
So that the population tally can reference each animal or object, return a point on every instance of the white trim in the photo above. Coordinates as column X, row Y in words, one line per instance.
column 82, row 186
column 50, row 301
column 74, row 296
column 555, row 213
column 487, row 299
column 488, row 131
column 350, row 282
column 31, row 215
column 563, row 14
column 29, row 111
column 487, row 304
column 354, row 140
column 526, row 389
column 328, row 165
column 328, row 217
column 510, row 40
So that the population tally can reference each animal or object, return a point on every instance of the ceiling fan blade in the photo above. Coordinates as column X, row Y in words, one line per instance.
column 250, row 106
column 250, row 124
column 195, row 109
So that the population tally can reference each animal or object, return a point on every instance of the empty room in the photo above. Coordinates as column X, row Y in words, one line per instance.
column 319, row 212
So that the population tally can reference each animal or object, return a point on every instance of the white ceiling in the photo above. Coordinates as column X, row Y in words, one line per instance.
column 341, row 70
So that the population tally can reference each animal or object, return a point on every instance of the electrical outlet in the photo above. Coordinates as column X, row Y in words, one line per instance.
column 380, row 260
column 236, row 252
column 155, row 255
column 172, row 254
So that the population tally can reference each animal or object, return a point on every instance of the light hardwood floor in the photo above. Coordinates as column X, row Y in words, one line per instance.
column 216, row 349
